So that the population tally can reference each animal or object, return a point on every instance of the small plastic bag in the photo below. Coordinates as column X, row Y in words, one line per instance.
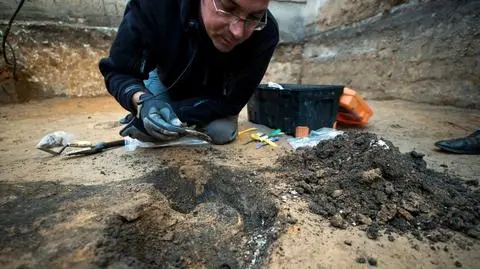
column 275, row 85
column 55, row 139
column 314, row 138
column 131, row 144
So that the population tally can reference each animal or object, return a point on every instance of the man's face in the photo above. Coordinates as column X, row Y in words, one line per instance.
column 227, row 31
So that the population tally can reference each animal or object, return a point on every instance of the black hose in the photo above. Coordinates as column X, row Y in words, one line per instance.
column 14, row 60
column 5, row 42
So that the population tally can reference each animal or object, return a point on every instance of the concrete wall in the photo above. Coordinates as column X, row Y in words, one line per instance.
column 291, row 19
column 88, row 12
column 109, row 13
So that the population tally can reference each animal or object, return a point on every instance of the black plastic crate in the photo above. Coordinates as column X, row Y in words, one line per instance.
column 315, row 106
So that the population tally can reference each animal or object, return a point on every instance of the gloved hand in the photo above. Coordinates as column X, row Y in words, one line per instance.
column 158, row 117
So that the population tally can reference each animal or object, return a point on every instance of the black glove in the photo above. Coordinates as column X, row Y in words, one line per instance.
column 158, row 117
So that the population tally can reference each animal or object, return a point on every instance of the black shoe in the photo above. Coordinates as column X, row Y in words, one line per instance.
column 465, row 145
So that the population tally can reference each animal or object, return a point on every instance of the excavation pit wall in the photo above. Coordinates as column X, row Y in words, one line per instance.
column 425, row 52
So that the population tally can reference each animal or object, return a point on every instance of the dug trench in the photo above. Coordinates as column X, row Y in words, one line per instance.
column 187, row 216
column 209, row 217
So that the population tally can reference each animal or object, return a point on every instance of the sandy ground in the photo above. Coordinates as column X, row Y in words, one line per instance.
column 307, row 243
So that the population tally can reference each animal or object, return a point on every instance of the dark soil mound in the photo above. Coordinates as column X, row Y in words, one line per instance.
column 359, row 179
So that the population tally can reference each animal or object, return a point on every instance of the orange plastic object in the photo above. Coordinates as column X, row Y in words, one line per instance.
column 302, row 131
column 353, row 109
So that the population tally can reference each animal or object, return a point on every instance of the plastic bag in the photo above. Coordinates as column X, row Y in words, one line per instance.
column 275, row 85
column 55, row 139
column 314, row 138
column 131, row 144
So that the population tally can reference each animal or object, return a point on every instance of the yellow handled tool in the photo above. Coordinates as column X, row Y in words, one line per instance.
column 247, row 130
column 263, row 139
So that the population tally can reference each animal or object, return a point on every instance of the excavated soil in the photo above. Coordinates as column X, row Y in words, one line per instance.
column 359, row 179
column 231, row 206
column 181, row 215
column 210, row 217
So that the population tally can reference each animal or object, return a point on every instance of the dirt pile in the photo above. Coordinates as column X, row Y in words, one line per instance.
column 361, row 180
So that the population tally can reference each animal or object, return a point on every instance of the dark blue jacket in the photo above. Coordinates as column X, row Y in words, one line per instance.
column 168, row 35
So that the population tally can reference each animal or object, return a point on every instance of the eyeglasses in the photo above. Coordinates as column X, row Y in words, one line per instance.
column 250, row 24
